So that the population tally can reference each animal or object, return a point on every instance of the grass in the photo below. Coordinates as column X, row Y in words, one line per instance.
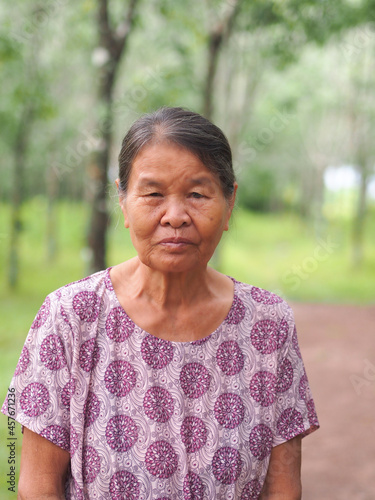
column 278, row 252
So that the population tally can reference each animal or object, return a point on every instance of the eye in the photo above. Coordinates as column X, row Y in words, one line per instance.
column 154, row 195
column 196, row 195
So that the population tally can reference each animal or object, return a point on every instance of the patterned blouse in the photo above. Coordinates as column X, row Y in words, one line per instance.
column 145, row 418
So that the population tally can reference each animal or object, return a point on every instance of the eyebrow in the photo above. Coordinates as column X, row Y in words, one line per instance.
column 195, row 181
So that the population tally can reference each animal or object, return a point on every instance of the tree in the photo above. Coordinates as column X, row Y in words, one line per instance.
column 113, row 42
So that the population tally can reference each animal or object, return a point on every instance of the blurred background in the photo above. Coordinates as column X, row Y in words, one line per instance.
column 292, row 85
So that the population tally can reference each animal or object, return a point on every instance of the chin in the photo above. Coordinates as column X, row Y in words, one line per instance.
column 174, row 265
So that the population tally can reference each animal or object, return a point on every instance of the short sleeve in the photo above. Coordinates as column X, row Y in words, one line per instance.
column 42, row 379
column 295, row 412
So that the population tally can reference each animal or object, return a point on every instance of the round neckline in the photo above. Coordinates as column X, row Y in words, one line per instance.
column 202, row 340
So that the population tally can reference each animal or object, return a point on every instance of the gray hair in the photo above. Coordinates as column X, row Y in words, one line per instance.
column 184, row 128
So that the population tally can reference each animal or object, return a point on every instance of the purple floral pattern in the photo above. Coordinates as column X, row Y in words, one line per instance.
column 157, row 353
column 145, row 417
column 91, row 464
column 263, row 388
column 119, row 326
column 161, row 460
column 227, row 465
column 194, row 380
column 264, row 336
column 42, row 315
column 237, row 312
column 67, row 392
column 193, row 434
column 120, row 378
column 193, row 488
column 89, row 355
column 91, row 409
column 34, row 399
column 229, row 410
column 23, row 361
column 52, row 353
column 284, row 376
column 121, row 433
column 124, row 486
column 58, row 435
column 290, row 423
column 86, row 306
column 265, row 297
column 230, row 357
column 260, row 441
column 252, row 490
column 158, row 404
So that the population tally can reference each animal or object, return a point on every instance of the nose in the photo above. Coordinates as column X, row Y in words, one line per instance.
column 175, row 214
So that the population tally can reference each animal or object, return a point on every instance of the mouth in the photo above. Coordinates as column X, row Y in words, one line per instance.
column 175, row 242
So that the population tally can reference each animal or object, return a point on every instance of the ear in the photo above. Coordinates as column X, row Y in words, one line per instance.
column 231, row 203
column 122, row 203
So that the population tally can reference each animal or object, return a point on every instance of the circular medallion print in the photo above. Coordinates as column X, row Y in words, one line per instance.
column 264, row 336
column 121, row 433
column 73, row 440
column 312, row 416
column 118, row 325
column 52, row 353
column 23, row 361
column 89, row 355
column 194, row 380
column 120, row 378
column 290, row 423
column 157, row 353
column 91, row 409
column 161, row 460
column 227, row 465
column 295, row 343
column 57, row 435
column 158, row 404
column 124, row 486
column 91, row 464
column 284, row 376
column 265, row 297
column 237, row 312
column 251, row 491
column 67, row 392
column 193, row 434
column 260, row 441
column 86, row 306
column 282, row 333
column 263, row 388
column 34, row 399
column 193, row 488
column 229, row 410
column 229, row 357
column 42, row 315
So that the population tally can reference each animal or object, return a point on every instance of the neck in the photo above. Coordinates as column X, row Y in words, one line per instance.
column 170, row 290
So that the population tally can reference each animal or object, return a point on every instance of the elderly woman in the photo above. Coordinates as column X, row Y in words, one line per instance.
column 161, row 378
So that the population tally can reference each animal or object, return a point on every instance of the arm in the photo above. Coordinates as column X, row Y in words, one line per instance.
column 43, row 469
column 283, row 480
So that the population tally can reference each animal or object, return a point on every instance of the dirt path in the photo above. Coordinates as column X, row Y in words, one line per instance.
column 338, row 347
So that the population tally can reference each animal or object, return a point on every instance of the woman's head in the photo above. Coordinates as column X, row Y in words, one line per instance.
column 185, row 129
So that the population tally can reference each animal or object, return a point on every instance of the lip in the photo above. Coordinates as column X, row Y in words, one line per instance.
column 176, row 241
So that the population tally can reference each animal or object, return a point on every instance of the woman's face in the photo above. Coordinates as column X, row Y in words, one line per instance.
column 174, row 208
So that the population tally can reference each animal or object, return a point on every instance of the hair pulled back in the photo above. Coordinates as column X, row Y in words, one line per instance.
column 186, row 129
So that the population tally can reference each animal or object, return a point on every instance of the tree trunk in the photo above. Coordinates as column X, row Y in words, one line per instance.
column 20, row 148
column 114, row 41
column 216, row 38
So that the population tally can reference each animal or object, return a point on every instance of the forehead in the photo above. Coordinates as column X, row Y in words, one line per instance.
column 168, row 159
